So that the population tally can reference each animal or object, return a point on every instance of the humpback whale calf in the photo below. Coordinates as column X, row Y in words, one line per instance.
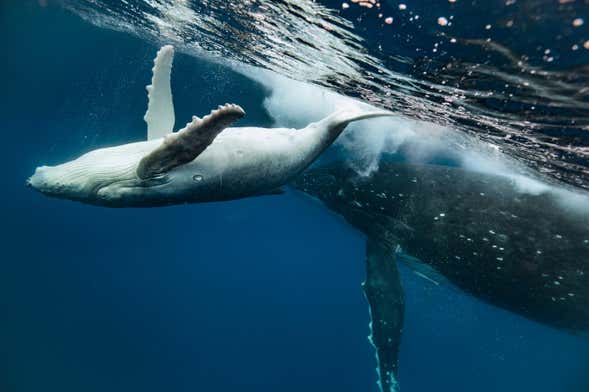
column 204, row 161
column 526, row 253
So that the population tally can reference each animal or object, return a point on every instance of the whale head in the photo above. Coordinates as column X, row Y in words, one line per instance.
column 69, row 181
column 108, row 177
column 99, row 177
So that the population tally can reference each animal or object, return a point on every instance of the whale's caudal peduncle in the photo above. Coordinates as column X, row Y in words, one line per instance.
column 204, row 161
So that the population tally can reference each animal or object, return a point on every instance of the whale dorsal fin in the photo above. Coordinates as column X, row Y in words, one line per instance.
column 160, row 108
column 186, row 144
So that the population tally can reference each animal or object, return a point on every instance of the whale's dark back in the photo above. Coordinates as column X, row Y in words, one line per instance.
column 525, row 252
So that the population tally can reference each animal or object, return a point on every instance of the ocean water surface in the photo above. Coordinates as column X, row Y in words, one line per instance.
column 261, row 294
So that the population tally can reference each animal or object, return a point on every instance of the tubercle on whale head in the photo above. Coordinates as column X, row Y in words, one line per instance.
column 53, row 181
column 38, row 180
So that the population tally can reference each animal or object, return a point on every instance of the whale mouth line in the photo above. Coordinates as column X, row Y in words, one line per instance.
column 156, row 180
column 152, row 182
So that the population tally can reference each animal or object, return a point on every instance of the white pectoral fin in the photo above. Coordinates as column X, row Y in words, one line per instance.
column 160, row 108
column 185, row 145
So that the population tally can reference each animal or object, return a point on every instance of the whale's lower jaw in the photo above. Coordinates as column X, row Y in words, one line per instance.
column 157, row 195
column 101, row 200
column 151, row 203
column 166, row 198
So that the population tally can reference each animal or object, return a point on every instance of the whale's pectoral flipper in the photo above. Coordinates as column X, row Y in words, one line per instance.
column 160, row 108
column 185, row 145
column 384, row 293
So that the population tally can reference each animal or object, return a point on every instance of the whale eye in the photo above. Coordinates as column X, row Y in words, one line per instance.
column 197, row 177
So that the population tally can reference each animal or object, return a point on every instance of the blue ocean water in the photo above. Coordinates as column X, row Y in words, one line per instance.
column 258, row 295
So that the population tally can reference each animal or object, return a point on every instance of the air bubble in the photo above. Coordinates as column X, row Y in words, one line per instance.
column 578, row 22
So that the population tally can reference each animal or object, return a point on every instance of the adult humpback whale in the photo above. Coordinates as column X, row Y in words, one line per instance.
column 523, row 252
column 204, row 161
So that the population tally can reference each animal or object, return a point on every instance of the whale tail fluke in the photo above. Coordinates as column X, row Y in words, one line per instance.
column 338, row 121
column 323, row 133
